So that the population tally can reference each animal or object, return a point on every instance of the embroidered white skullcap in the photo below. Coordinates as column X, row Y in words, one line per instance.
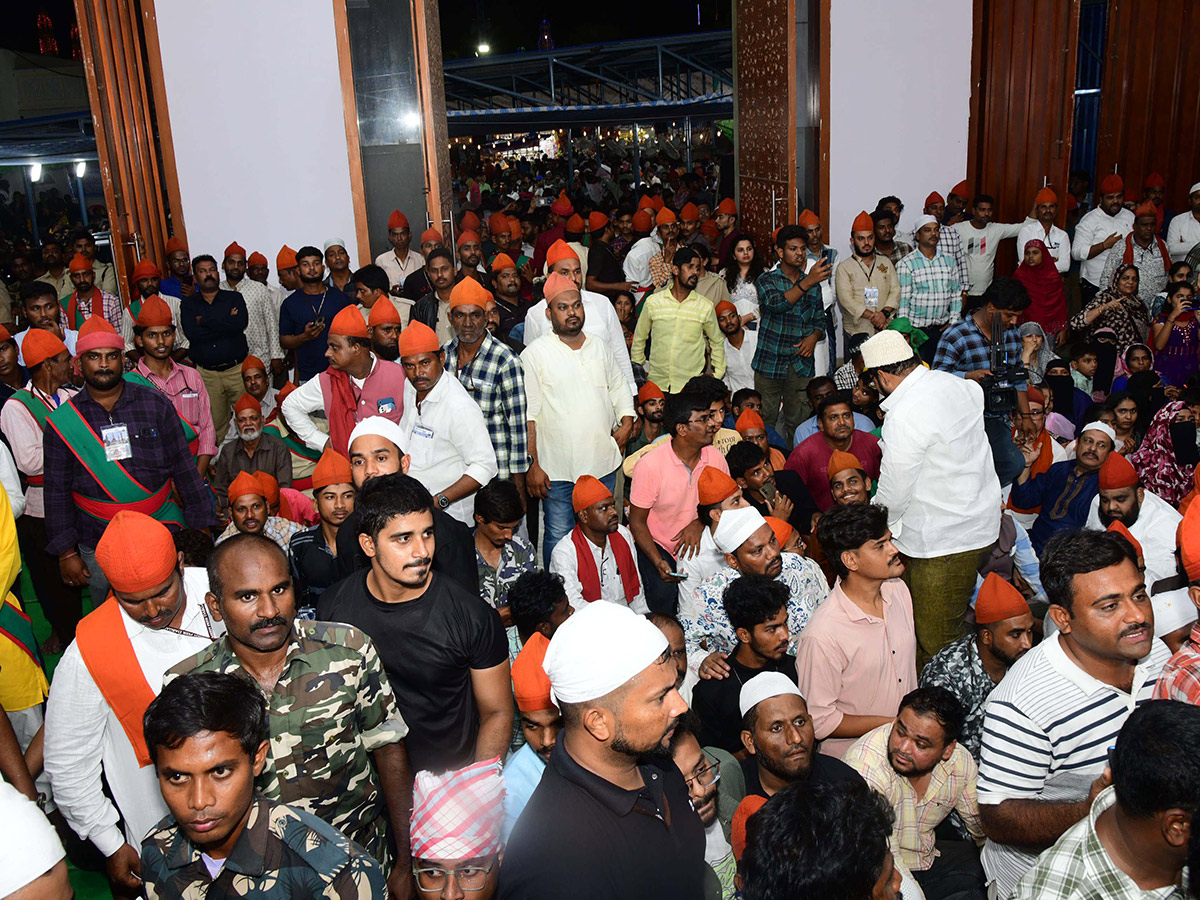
column 598, row 649
column 1172, row 610
column 335, row 242
column 735, row 526
column 29, row 846
column 885, row 348
column 923, row 220
column 377, row 425
column 764, row 686
column 1103, row 428
column 1195, row 187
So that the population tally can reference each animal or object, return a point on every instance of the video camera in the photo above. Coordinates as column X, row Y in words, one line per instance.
column 1000, row 388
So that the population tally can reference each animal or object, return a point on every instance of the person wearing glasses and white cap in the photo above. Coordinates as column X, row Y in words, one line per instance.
column 610, row 819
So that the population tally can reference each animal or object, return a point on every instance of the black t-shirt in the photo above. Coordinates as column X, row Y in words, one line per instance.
column 453, row 554
column 604, row 266
column 428, row 647
column 715, row 701
column 824, row 769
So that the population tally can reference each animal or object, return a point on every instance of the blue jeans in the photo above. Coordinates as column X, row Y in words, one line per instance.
column 560, row 513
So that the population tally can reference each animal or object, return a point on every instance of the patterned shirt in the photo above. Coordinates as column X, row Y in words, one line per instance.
column 262, row 331
column 964, row 348
column 928, row 288
column 496, row 381
column 951, row 788
column 185, row 389
column 950, row 244
column 277, row 528
column 1078, row 867
column 517, row 557
column 331, row 706
column 706, row 626
column 1152, row 273
column 110, row 307
column 678, row 333
column 782, row 325
column 958, row 669
column 1180, row 678
column 899, row 250
column 307, row 857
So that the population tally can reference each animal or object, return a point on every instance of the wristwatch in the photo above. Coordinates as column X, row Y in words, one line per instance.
column 442, row 501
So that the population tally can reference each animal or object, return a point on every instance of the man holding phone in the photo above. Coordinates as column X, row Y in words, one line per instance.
column 305, row 315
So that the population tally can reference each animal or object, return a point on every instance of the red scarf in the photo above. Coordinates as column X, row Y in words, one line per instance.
column 1044, row 461
column 589, row 575
column 1162, row 248
column 342, row 406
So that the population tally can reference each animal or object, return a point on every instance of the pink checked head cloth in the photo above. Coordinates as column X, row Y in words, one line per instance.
column 458, row 814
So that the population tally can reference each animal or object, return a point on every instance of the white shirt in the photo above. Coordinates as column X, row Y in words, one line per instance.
column 299, row 406
column 262, row 329
column 447, row 438
column 397, row 271
column 580, row 251
column 980, row 245
column 1183, row 233
column 708, row 560
column 1056, row 242
column 127, row 323
column 1154, row 529
column 599, row 320
column 937, row 478
column 84, row 736
column 1094, row 226
column 564, row 560
column 69, row 338
column 738, row 373
column 10, row 478
column 637, row 260
column 575, row 398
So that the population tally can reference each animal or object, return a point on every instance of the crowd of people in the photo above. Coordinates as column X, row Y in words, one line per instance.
column 603, row 550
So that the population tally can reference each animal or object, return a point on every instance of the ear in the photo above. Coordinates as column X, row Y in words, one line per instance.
column 731, row 560
column 214, row 605
column 850, row 560
column 1176, row 827
column 547, row 310
column 1062, row 618
column 259, row 760
column 743, row 635
column 367, row 543
column 870, row 483
column 179, row 562
column 748, row 741
column 596, row 722
column 405, row 462
column 1194, row 594
column 949, row 751
column 1141, row 493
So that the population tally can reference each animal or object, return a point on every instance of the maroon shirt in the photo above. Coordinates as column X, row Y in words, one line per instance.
column 810, row 460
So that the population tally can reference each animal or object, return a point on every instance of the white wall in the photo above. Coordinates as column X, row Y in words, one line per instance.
column 899, row 97
column 255, row 102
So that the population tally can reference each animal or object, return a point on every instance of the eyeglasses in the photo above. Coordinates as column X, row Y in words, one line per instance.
column 468, row 878
column 706, row 777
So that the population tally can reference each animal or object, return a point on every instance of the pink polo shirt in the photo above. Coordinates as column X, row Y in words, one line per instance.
column 851, row 663
column 670, row 490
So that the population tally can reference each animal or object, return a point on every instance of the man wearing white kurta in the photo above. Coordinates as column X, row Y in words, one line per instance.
column 1184, row 231
column 1155, row 529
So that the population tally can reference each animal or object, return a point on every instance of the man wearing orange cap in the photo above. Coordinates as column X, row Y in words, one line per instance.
column 506, row 286
column 649, row 405
column 433, row 308
column 470, row 255
column 87, row 299
column 1144, row 249
column 369, row 285
column 981, row 239
column 573, row 237
column 83, row 243
column 287, row 268
column 1097, row 234
column 560, row 210
column 645, row 265
column 1180, row 678
column 147, row 280
column 262, row 329
column 313, row 551
column 866, row 286
column 253, row 450
column 726, row 220
column 596, row 560
column 575, row 394
column 739, row 347
column 154, row 617
column 541, row 724
column 417, row 284
column 956, row 204
column 401, row 261
column 1045, row 207
column 605, row 273
column 829, row 349
column 250, row 513
column 306, row 315
column 974, row 664
column 179, row 281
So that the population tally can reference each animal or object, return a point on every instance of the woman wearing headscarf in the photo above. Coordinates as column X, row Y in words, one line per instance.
column 1118, row 307
column 1047, row 299
column 1177, row 336
column 1138, row 357
column 1156, row 463
column 1035, row 350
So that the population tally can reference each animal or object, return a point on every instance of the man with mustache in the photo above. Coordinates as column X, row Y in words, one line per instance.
column 1051, row 720
column 337, row 746
column 215, row 321
column 252, row 450
column 249, row 512
column 701, row 773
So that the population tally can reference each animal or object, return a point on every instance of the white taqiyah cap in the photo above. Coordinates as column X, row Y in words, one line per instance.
column 598, row 649
column 1195, row 187
column 380, row 426
column 29, row 846
column 735, row 525
column 1172, row 610
column 764, row 686
column 334, row 242
column 885, row 348
column 1103, row 428
column 921, row 221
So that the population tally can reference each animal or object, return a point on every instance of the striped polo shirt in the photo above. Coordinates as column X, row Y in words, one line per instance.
column 1046, row 734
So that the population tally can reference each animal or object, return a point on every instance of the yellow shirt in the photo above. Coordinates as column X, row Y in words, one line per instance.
column 22, row 682
column 678, row 333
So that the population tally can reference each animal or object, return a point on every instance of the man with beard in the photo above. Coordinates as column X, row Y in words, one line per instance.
column 596, row 560
column 541, row 724
column 931, row 291
column 262, row 329
column 111, row 445
column 400, row 262
column 1098, row 232
column 384, row 326
column 258, row 386
column 972, row 666
column 866, row 285
column 306, row 315
column 779, row 493
column 337, row 735
column 949, row 241
column 857, row 658
column 1045, row 206
column 701, row 773
column 83, row 243
column 506, row 288
column 444, row 648
column 369, row 285
column 981, row 239
column 253, row 450
column 250, row 512
column 1066, row 490
column 651, row 403
column 917, row 763
column 470, row 255
column 56, row 275
column 1151, row 520
column 179, row 281
column 41, row 310
column 739, row 347
column 757, row 607
column 313, row 551
column 146, row 280
column 87, row 299
column 433, row 309
column 835, row 431
column 605, row 274
column 680, row 324
column 607, row 783
column 887, row 244
column 215, row 322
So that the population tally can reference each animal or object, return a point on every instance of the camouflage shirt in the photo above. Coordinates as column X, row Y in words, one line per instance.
column 332, row 706
column 281, row 854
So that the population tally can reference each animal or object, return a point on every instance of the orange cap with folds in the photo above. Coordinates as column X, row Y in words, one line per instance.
column 709, row 230
column 469, row 292
column 727, row 207
column 737, row 828
column 136, row 553
column 97, row 334
column 256, row 259
column 498, row 223
column 961, row 189
column 658, row 203
column 1189, row 542
column 1146, row 209
column 531, row 685
column 1117, row 472
column 715, row 486
column 998, row 600
column 574, row 224
column 235, row 249
column 502, row 261
column 154, row 313
column 174, row 245
column 467, row 237
column 647, row 202
column 808, row 219
column 418, row 338
column 514, row 229
column 250, row 363
column 145, row 269
column 643, row 221
column 349, row 322
column 1154, row 180
column 1034, row 395
column 588, row 491
column 782, row 529
column 649, row 391
column 562, row 205
column 933, row 198
column 596, row 220
column 664, row 217
column 431, row 235
column 286, row 258
column 557, row 284
column 246, row 483
column 724, row 306
column 397, row 220
column 841, row 460
column 384, row 312
column 689, row 213
column 287, row 388
column 80, row 263
column 1112, row 184
column 270, row 485
column 470, row 221
column 559, row 251
column 247, row 401
column 863, row 222
column 331, row 468
column 748, row 421
column 39, row 345
column 1118, row 527
column 1045, row 195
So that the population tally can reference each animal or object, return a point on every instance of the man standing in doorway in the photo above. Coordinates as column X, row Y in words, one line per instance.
column 1045, row 205
column 307, row 314
column 400, row 261
column 215, row 323
column 1098, row 232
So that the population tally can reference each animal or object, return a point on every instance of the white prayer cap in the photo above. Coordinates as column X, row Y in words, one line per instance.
column 1195, row 187
column 1172, row 610
column 1103, row 428
column 764, row 686
column 735, row 526
column 598, row 649
column 923, row 220
column 885, row 348
column 334, row 242
column 379, row 426
column 29, row 846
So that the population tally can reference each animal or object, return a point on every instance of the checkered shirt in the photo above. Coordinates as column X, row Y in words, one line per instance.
column 928, row 288
column 1180, row 678
column 496, row 382
column 783, row 325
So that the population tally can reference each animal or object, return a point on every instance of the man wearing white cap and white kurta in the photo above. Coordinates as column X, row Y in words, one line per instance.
column 1183, row 233
column 610, row 818
column 938, row 481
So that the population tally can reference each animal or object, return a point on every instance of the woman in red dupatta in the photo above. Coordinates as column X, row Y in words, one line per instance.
column 1043, row 281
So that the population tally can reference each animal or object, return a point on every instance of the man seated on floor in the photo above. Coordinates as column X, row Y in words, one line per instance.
column 773, row 492
column 249, row 513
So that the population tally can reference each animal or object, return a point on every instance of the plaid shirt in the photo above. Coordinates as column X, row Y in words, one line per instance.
column 950, row 244
column 964, row 348
column 496, row 382
column 111, row 307
column 1180, row 678
column 928, row 287
column 951, row 788
column 899, row 250
column 783, row 325
column 1078, row 867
